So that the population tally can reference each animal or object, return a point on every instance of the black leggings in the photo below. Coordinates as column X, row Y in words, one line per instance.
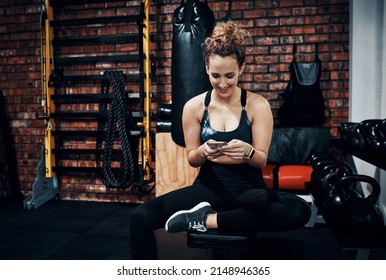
column 240, row 206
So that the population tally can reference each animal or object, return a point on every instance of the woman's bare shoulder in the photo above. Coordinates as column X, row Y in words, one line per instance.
column 256, row 100
column 195, row 102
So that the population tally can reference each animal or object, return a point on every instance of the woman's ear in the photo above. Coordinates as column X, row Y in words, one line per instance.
column 207, row 68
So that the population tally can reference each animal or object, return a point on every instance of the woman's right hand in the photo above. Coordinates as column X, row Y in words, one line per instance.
column 210, row 152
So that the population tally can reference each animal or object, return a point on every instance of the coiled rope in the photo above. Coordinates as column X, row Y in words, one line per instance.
column 119, row 120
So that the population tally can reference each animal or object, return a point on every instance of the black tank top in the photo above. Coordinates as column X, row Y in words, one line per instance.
column 235, row 178
column 242, row 132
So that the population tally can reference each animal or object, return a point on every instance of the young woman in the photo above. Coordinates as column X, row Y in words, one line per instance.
column 229, row 192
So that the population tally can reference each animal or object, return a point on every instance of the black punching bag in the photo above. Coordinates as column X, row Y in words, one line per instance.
column 193, row 21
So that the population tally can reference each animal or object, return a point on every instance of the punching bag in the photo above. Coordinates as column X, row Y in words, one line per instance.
column 193, row 21
column 303, row 99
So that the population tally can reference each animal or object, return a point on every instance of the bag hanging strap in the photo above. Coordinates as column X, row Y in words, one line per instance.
column 188, row 13
column 294, row 52
column 228, row 14
column 317, row 52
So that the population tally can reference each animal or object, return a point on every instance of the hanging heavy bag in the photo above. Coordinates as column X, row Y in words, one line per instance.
column 303, row 100
column 359, row 214
column 193, row 21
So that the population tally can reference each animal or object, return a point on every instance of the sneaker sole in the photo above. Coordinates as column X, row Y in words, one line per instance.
column 198, row 206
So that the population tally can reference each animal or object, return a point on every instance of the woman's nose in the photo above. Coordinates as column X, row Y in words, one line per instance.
column 223, row 83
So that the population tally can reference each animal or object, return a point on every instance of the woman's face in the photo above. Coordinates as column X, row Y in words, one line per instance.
column 223, row 73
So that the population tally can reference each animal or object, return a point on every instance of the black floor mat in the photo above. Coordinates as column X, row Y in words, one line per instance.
column 74, row 230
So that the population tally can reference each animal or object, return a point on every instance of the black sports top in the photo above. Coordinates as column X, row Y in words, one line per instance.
column 235, row 178
column 242, row 132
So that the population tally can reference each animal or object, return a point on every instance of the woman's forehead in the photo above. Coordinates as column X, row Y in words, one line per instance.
column 216, row 61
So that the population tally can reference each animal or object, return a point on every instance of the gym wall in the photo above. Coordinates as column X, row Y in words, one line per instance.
column 274, row 26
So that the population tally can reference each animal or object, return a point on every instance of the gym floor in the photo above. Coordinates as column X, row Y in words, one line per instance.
column 79, row 230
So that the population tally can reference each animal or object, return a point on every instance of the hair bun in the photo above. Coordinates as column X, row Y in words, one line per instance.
column 226, row 40
column 228, row 32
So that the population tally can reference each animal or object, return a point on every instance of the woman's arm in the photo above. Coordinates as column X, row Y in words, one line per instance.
column 262, row 126
column 191, row 118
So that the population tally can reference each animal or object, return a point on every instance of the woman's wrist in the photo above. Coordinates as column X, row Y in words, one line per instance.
column 201, row 151
column 249, row 153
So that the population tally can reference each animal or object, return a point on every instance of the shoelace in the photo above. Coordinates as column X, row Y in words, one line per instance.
column 196, row 225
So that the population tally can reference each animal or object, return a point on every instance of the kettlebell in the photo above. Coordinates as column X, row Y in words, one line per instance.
column 351, row 135
column 333, row 173
column 359, row 214
column 383, row 127
column 318, row 172
column 344, row 129
column 319, row 157
column 371, row 142
column 355, row 138
column 380, row 138
column 331, row 200
column 323, row 166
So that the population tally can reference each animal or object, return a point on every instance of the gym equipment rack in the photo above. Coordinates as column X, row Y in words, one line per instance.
column 77, row 48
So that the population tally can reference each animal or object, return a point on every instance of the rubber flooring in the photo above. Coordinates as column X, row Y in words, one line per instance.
column 79, row 230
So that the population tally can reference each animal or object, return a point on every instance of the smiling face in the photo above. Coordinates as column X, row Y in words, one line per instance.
column 223, row 73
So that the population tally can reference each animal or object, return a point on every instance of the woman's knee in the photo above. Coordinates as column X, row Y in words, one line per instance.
column 300, row 210
column 144, row 216
column 293, row 210
column 138, row 215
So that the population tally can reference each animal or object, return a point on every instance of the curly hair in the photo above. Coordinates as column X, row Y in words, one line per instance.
column 226, row 40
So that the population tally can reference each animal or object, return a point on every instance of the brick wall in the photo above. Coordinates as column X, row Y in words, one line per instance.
column 20, row 82
column 274, row 26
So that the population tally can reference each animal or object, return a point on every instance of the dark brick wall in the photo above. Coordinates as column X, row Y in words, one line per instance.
column 274, row 26
column 20, row 82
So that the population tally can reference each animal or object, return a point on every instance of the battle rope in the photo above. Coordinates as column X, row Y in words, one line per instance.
column 119, row 119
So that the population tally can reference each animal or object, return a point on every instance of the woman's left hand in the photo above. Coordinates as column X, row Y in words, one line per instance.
column 235, row 149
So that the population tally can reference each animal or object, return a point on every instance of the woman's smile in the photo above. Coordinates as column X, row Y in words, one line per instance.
column 222, row 90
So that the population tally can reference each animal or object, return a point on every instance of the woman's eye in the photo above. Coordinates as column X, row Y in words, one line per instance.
column 231, row 76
